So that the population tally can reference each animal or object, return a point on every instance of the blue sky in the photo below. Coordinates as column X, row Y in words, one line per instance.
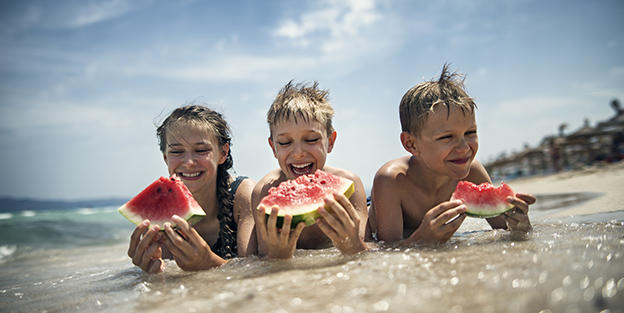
column 83, row 83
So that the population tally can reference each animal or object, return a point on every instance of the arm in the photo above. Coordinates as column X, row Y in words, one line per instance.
column 387, row 206
column 246, row 240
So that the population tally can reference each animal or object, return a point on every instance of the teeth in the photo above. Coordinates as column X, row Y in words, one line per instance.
column 190, row 174
column 301, row 165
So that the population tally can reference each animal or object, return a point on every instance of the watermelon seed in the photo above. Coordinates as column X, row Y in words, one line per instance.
column 158, row 190
column 170, row 190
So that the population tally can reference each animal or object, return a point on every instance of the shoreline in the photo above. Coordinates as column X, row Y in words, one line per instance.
column 604, row 179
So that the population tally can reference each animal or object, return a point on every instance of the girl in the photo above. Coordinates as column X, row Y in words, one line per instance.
column 195, row 142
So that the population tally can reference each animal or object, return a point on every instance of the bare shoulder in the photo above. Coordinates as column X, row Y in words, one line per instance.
column 244, row 190
column 392, row 171
column 271, row 179
column 478, row 174
column 342, row 173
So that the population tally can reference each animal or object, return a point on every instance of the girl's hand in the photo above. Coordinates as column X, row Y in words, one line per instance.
column 145, row 249
column 517, row 219
column 281, row 244
column 190, row 251
column 341, row 223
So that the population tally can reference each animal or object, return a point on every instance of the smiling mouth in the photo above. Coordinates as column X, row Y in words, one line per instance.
column 191, row 176
column 460, row 161
column 302, row 169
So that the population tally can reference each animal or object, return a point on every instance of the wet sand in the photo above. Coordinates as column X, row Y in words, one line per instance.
column 605, row 180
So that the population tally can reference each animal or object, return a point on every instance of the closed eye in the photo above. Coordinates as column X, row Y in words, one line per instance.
column 312, row 140
column 445, row 137
column 283, row 143
column 471, row 132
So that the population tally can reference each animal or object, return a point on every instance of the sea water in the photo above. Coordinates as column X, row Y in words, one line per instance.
column 75, row 261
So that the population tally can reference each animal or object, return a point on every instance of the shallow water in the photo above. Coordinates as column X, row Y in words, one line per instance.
column 570, row 265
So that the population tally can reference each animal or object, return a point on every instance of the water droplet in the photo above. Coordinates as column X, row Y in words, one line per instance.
column 598, row 283
column 609, row 256
column 609, row 290
column 543, row 276
column 480, row 276
column 588, row 294
column 557, row 295
column 454, row 281
column 585, row 282
column 620, row 284
column 567, row 281
column 453, row 260
column 295, row 301
column 382, row 305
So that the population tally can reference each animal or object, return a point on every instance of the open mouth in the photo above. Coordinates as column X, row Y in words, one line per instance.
column 190, row 175
column 460, row 161
column 302, row 169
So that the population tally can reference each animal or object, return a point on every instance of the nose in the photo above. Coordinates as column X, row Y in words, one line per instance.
column 298, row 151
column 188, row 158
column 462, row 146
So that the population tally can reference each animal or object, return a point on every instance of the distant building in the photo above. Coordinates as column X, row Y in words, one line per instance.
column 584, row 146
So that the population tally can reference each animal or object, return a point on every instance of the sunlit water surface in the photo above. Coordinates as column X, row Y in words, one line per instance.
column 570, row 265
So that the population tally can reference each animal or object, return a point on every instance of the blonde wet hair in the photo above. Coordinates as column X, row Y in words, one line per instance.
column 304, row 102
column 421, row 100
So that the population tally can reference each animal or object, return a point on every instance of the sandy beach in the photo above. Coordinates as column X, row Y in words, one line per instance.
column 606, row 180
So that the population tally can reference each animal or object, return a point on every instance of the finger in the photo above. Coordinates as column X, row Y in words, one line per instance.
column 330, row 220
column 145, row 242
column 453, row 225
column 353, row 213
column 449, row 214
column 175, row 243
column 135, row 238
column 156, row 266
column 271, row 224
column 191, row 233
column 522, row 206
column 294, row 236
column 509, row 216
column 285, row 231
column 443, row 207
column 339, row 211
column 328, row 230
column 147, row 257
column 529, row 199
column 260, row 220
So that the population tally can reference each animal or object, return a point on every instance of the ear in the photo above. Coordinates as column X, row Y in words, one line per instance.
column 409, row 143
column 331, row 140
column 224, row 153
column 272, row 145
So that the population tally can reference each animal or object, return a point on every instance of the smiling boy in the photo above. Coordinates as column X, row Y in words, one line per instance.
column 301, row 136
column 411, row 194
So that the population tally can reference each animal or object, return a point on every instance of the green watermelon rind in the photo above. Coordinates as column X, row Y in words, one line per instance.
column 482, row 212
column 309, row 213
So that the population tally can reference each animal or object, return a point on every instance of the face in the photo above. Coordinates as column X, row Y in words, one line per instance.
column 193, row 154
column 447, row 144
column 300, row 148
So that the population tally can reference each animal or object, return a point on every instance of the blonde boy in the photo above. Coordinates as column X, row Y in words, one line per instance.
column 411, row 194
column 301, row 136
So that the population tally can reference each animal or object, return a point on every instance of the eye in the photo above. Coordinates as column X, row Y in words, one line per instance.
column 313, row 140
column 283, row 143
column 202, row 151
column 471, row 133
column 176, row 152
column 445, row 137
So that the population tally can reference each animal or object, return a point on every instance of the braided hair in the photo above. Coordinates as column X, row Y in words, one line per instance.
column 226, row 245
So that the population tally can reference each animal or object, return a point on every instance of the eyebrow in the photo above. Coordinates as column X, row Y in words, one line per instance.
column 195, row 144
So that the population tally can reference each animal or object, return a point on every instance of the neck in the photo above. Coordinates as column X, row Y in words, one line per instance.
column 207, row 199
column 428, row 180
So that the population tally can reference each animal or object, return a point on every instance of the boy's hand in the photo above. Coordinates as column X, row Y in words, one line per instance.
column 517, row 219
column 341, row 224
column 280, row 244
column 190, row 251
column 145, row 249
column 436, row 226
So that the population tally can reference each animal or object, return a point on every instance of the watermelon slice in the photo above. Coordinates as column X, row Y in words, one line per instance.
column 302, row 196
column 483, row 200
column 160, row 201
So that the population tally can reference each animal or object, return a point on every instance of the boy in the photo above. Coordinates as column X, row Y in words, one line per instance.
column 301, row 136
column 411, row 194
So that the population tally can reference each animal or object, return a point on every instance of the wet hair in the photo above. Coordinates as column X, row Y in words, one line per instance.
column 202, row 116
column 301, row 101
column 421, row 100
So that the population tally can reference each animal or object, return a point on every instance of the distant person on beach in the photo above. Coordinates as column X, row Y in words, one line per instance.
column 301, row 136
column 410, row 195
column 195, row 143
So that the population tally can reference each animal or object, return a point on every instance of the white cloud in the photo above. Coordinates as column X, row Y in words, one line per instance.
column 99, row 11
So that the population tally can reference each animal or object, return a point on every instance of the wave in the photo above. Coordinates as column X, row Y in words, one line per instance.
column 5, row 216
column 28, row 213
column 6, row 251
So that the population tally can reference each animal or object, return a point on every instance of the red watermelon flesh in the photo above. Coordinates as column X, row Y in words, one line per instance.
column 302, row 196
column 483, row 200
column 160, row 201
